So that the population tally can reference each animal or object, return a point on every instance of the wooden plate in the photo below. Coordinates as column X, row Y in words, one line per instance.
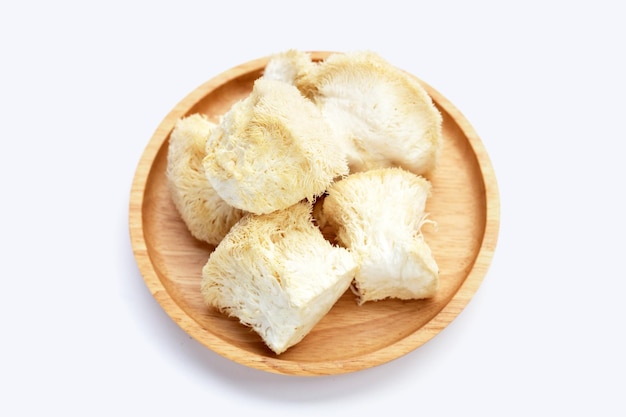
column 464, row 203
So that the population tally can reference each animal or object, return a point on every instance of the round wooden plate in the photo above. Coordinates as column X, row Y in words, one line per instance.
column 464, row 204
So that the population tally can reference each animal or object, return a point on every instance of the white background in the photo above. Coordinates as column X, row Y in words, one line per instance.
column 83, row 87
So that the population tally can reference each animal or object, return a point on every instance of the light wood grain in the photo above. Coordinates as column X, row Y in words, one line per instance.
column 464, row 203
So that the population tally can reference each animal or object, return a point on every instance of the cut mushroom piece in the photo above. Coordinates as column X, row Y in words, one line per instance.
column 378, row 216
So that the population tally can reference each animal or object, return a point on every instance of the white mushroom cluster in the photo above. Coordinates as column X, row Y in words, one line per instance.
column 346, row 144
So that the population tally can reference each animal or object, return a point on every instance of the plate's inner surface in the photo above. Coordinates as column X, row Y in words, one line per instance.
column 457, row 205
